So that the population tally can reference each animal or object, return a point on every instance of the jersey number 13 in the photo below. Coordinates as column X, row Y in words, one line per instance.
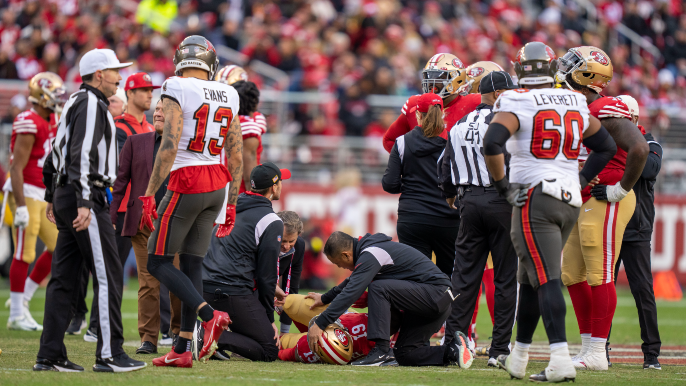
column 201, row 115
column 547, row 134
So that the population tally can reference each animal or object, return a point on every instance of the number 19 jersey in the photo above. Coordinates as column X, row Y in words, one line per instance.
column 551, row 127
column 208, row 108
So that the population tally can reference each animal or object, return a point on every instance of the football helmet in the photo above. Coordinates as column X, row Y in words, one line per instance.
column 585, row 66
column 196, row 52
column 231, row 74
column 443, row 75
column 536, row 63
column 47, row 90
column 474, row 74
column 335, row 346
column 631, row 103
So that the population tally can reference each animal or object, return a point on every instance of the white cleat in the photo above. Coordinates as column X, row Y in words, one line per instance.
column 593, row 361
column 27, row 315
column 20, row 323
column 514, row 364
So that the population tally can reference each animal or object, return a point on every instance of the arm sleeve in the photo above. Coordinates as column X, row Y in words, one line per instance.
column 265, row 272
column 298, row 258
column 604, row 148
column 331, row 294
column 392, row 178
column 122, row 181
column 48, row 176
column 397, row 128
column 367, row 268
column 88, row 125
column 654, row 161
column 445, row 169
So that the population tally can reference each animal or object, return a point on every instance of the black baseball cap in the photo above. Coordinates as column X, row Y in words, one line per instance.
column 496, row 80
column 266, row 175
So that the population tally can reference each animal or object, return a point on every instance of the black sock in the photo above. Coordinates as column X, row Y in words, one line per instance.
column 182, row 345
column 206, row 313
column 528, row 313
column 383, row 345
column 553, row 310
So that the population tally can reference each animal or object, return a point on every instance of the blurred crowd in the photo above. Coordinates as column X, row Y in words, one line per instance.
column 355, row 48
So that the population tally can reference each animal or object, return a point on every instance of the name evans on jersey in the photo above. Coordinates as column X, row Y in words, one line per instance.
column 215, row 96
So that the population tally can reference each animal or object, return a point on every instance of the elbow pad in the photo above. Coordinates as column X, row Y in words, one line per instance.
column 603, row 147
column 495, row 138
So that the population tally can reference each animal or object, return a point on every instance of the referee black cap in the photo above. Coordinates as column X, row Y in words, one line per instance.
column 496, row 80
column 267, row 175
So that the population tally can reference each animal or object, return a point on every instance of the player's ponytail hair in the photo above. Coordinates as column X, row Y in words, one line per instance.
column 432, row 122
column 248, row 97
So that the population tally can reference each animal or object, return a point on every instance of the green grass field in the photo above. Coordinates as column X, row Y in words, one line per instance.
column 19, row 352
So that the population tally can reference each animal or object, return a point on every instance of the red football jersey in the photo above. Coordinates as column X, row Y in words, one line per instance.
column 356, row 324
column 452, row 112
column 601, row 108
column 253, row 127
column 29, row 122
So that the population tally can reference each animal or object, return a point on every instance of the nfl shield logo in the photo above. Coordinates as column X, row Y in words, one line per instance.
column 279, row 238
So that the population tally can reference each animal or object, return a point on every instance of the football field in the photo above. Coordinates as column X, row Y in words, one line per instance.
column 19, row 353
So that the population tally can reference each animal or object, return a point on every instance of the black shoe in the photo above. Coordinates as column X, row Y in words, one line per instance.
column 146, row 348
column 607, row 353
column 65, row 366
column 220, row 355
column 376, row 357
column 91, row 336
column 458, row 351
column 119, row 364
column 77, row 324
column 650, row 362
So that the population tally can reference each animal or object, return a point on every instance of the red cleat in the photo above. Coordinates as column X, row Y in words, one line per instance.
column 213, row 329
column 173, row 359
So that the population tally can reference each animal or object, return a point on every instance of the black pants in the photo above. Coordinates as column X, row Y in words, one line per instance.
column 424, row 309
column 94, row 247
column 636, row 258
column 165, row 310
column 123, row 242
column 251, row 335
column 430, row 238
column 485, row 227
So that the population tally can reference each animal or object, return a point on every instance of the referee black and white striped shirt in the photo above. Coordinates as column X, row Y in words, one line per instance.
column 85, row 149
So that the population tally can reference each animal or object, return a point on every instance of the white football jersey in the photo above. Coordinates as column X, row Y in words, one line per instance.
column 208, row 109
column 551, row 127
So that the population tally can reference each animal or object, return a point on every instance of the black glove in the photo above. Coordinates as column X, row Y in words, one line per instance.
column 648, row 137
column 515, row 194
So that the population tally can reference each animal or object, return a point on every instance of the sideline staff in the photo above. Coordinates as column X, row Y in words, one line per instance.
column 85, row 158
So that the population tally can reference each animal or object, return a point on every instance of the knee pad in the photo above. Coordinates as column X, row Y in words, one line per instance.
column 298, row 308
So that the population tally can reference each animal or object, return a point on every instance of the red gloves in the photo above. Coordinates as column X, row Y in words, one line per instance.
column 148, row 210
column 361, row 302
column 224, row 229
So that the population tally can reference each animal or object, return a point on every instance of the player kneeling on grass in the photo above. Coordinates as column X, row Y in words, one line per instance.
column 399, row 278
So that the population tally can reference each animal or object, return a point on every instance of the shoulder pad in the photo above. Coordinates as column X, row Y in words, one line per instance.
column 609, row 107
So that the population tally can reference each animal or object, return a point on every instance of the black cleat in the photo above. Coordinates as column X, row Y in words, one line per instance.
column 221, row 355
column 540, row 377
column 376, row 357
column 607, row 353
column 146, row 348
column 64, row 366
column 650, row 362
column 459, row 352
column 77, row 324
column 119, row 364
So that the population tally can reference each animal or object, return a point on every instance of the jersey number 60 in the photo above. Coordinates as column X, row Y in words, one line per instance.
column 197, row 143
column 545, row 142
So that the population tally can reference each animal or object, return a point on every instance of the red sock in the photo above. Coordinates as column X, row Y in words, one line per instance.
column 287, row 354
column 582, row 300
column 301, row 327
column 490, row 291
column 604, row 305
column 18, row 271
column 41, row 269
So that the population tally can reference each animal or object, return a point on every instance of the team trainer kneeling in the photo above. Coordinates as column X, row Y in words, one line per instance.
column 399, row 278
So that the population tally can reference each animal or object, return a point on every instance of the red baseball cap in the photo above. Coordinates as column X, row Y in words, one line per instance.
column 139, row 80
column 427, row 100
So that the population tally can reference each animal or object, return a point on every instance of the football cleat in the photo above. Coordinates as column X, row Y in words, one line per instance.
column 118, row 364
column 197, row 341
column 213, row 329
column 376, row 357
column 543, row 377
column 26, row 313
column 651, row 362
column 514, row 364
column 20, row 323
column 492, row 362
column 221, row 355
column 595, row 359
column 173, row 359
column 64, row 366
column 459, row 352
column 559, row 369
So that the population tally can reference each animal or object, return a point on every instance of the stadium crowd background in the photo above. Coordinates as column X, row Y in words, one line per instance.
column 355, row 47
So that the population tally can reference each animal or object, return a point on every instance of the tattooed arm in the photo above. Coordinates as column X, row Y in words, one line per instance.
column 173, row 126
column 233, row 146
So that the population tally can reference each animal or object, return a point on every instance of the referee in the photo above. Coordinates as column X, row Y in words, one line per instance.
column 85, row 160
column 486, row 219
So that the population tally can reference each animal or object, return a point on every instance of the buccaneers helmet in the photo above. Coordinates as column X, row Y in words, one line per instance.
column 443, row 75
column 47, row 90
column 536, row 63
column 231, row 74
column 196, row 52
column 475, row 73
column 335, row 346
column 585, row 66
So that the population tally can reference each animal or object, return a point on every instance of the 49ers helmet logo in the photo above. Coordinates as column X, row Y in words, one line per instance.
column 476, row 71
column 457, row 63
column 44, row 83
column 341, row 337
column 600, row 58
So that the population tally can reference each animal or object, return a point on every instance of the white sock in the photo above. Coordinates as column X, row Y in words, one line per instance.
column 523, row 347
column 559, row 346
column 597, row 345
column 585, row 344
column 285, row 328
column 30, row 288
column 17, row 304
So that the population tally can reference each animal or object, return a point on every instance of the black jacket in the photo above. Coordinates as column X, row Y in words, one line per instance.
column 376, row 257
column 411, row 172
column 245, row 260
column 291, row 261
column 640, row 227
